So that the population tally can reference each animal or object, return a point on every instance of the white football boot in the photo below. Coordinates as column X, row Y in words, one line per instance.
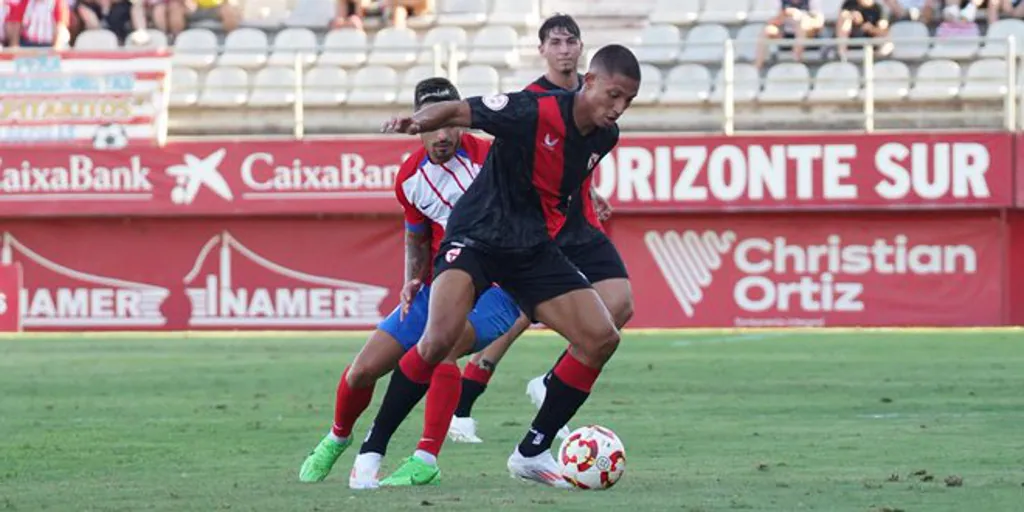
column 463, row 430
column 364, row 472
column 542, row 469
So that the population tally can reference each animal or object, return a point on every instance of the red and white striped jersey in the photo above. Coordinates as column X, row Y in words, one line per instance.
column 40, row 19
column 428, row 190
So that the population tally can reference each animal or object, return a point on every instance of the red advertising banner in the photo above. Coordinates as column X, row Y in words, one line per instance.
column 355, row 175
column 157, row 274
column 836, row 171
column 1015, row 264
column 10, row 298
column 745, row 271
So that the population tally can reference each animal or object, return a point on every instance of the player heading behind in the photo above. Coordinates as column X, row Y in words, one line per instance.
column 503, row 231
column 582, row 240
column 430, row 181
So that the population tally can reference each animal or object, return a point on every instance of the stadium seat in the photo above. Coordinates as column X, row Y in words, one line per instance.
column 345, row 47
column 324, row 86
column 892, row 81
column 195, row 48
column 705, row 43
column 495, row 45
column 291, row 43
column 901, row 34
column 725, row 11
column 100, row 40
column 412, row 76
column 687, row 84
column 953, row 48
column 184, row 87
column 936, row 80
column 462, row 13
column 659, row 44
column 650, row 86
column 225, row 86
column 836, row 82
column 374, row 86
column 675, row 12
column 313, row 14
column 478, row 80
column 520, row 78
column 985, row 80
column 449, row 39
column 745, row 42
column 264, row 14
column 245, row 48
column 396, row 47
column 746, row 84
column 520, row 14
column 273, row 87
column 788, row 82
column 155, row 39
column 996, row 37
column 764, row 10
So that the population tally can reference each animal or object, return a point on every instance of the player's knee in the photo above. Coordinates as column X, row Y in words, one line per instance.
column 602, row 344
column 439, row 340
column 624, row 311
column 360, row 376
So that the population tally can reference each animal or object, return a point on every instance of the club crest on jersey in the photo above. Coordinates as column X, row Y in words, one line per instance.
column 594, row 159
column 496, row 102
column 452, row 254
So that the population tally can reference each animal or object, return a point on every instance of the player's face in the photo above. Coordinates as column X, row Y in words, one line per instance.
column 609, row 96
column 561, row 50
column 441, row 144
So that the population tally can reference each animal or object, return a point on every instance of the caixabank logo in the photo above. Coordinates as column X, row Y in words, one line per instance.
column 794, row 275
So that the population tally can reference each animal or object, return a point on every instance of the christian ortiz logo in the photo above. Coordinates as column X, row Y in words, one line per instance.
column 779, row 276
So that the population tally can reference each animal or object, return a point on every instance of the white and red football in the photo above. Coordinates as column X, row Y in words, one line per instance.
column 592, row 457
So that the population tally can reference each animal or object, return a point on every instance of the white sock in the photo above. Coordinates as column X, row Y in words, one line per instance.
column 368, row 459
column 333, row 437
column 427, row 457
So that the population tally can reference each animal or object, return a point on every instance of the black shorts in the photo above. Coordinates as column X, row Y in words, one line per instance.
column 598, row 259
column 530, row 277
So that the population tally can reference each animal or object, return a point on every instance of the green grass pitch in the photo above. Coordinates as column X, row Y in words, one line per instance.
column 711, row 421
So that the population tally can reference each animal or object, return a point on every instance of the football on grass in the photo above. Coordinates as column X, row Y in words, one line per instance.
column 592, row 457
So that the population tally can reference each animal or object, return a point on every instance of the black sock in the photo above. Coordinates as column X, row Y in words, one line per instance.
column 402, row 395
column 560, row 405
column 471, row 390
column 547, row 377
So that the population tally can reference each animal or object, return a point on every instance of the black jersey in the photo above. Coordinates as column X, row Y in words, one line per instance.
column 581, row 223
column 535, row 169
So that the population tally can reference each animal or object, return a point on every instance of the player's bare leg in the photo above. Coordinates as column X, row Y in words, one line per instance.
column 378, row 356
column 581, row 317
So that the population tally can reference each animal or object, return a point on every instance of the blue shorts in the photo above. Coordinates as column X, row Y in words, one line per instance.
column 492, row 316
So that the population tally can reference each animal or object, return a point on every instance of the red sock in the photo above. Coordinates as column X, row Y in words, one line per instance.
column 576, row 374
column 415, row 367
column 476, row 374
column 349, row 404
column 442, row 399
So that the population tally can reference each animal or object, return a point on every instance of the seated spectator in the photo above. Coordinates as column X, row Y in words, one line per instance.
column 797, row 19
column 1013, row 8
column 182, row 12
column 37, row 24
column 956, row 24
column 916, row 10
column 400, row 10
column 350, row 14
column 859, row 19
column 122, row 17
column 967, row 10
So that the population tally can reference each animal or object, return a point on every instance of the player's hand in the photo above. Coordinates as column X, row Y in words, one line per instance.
column 401, row 124
column 602, row 207
column 408, row 292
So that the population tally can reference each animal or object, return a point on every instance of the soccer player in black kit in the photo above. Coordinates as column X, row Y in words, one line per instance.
column 503, row 231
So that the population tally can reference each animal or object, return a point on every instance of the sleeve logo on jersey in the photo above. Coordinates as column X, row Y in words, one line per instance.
column 452, row 254
column 496, row 102
column 594, row 159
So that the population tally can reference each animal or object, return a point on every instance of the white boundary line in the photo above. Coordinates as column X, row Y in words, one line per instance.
column 534, row 332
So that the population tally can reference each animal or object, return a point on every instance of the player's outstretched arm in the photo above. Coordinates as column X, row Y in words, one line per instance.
column 432, row 117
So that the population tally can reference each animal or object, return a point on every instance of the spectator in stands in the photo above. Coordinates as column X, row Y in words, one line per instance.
column 400, row 10
column 181, row 12
column 122, row 17
column 917, row 10
column 797, row 19
column 37, row 24
column 967, row 10
column 350, row 14
column 1013, row 8
column 859, row 19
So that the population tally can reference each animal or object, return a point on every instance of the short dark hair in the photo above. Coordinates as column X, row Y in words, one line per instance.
column 562, row 21
column 616, row 59
column 434, row 90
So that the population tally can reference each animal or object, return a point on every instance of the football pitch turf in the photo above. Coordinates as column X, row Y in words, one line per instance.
column 770, row 421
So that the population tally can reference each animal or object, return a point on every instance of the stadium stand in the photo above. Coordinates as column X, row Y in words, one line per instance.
column 353, row 78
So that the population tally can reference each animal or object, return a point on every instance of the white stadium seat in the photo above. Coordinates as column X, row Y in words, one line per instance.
column 225, row 87
column 936, row 80
column 345, row 47
column 291, row 43
column 788, row 82
column 659, row 44
column 746, row 84
column 411, row 77
column 324, row 86
column 101, row 40
column 273, row 87
column 154, row 39
column 955, row 48
column 478, row 80
column 449, row 39
column 245, row 48
column 907, row 40
column 725, row 11
column 394, row 47
column 520, row 78
column 687, row 84
column 374, row 86
column 764, row 10
column 996, row 38
column 516, row 13
column 265, row 14
column 676, row 12
column 195, row 48
column 746, row 40
column 462, row 13
column 314, row 14
column 495, row 45
column 650, row 86
column 184, row 87
column 836, row 82
column 985, row 80
column 705, row 43
column 892, row 81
